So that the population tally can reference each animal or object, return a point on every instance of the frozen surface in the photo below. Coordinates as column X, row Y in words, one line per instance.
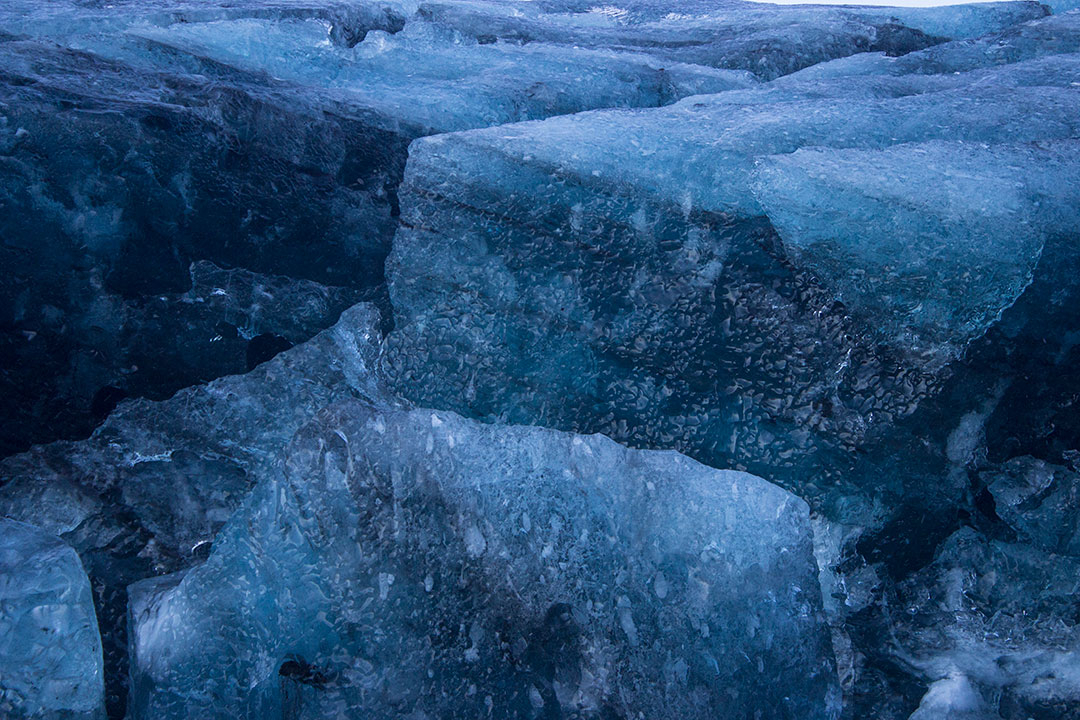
column 419, row 564
column 1045, row 37
column 835, row 247
column 263, row 137
column 50, row 652
column 74, row 366
column 99, row 238
column 429, row 78
column 1039, row 501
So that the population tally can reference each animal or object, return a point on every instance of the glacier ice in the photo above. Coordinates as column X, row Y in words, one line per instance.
column 831, row 246
column 269, row 139
column 767, row 40
column 426, row 79
column 100, row 238
column 614, row 271
column 1039, row 501
column 1056, row 35
column 998, row 614
column 416, row 564
column 952, row 698
column 50, row 652
column 105, row 347
column 148, row 492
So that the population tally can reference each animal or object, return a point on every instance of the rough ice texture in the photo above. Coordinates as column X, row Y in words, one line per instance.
column 1000, row 614
column 1055, row 35
column 416, row 564
column 272, row 137
column 73, row 366
column 928, row 242
column 50, row 652
column 147, row 493
column 430, row 79
column 617, row 271
column 1039, row 501
column 96, row 235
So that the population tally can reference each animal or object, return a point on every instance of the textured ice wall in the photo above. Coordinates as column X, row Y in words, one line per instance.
column 929, row 242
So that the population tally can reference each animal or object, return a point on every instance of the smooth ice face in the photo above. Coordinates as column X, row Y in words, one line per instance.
column 148, row 491
column 50, row 652
column 416, row 564
column 929, row 242
column 700, row 153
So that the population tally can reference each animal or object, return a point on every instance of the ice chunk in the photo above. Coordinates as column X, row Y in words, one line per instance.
column 50, row 652
column 930, row 242
column 148, row 491
column 416, row 564
column 231, row 429
column 612, row 272
column 953, row 698
column 1038, row 500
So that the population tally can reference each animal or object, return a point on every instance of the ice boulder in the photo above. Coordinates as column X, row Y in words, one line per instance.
column 417, row 564
column 147, row 493
column 953, row 698
column 615, row 272
column 1039, row 501
column 50, row 652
